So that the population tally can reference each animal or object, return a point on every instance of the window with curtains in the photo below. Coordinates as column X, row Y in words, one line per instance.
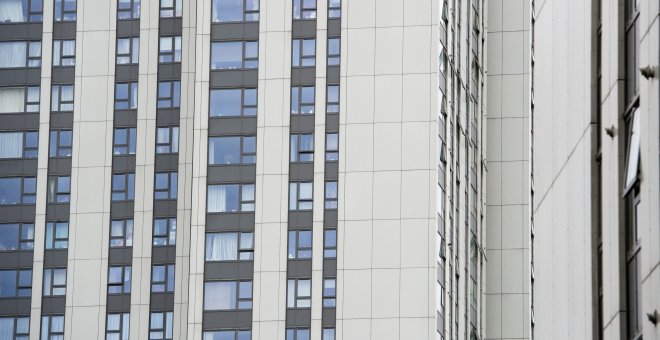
column 60, row 143
column 18, row 54
column 167, row 139
column 300, row 244
column 299, row 293
column 228, row 295
column 52, row 327
column 304, row 9
column 297, row 334
column 19, row 99
column 235, row 11
column 334, row 45
column 54, row 282
column 121, row 233
column 237, row 246
column 224, row 198
column 161, row 326
column 118, row 326
column 128, row 9
column 15, row 328
column 171, row 8
column 162, row 278
column 328, row 334
column 128, row 51
column 126, row 96
column 15, row 283
column 164, row 232
column 170, row 49
column 302, row 148
column 65, row 10
column 123, row 187
column 19, row 144
column 57, row 235
column 331, row 195
column 234, row 55
column 332, row 99
column 14, row 11
column 303, row 52
column 300, row 196
column 59, row 189
column 16, row 236
column 61, row 99
column 332, row 147
column 334, row 12
column 302, row 100
column 124, row 141
column 64, row 52
column 165, row 187
column 232, row 150
column 169, row 94
column 119, row 280
column 330, row 243
column 18, row 190
column 232, row 334
column 329, row 293
column 233, row 102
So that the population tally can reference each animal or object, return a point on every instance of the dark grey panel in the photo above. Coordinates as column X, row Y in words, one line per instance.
column 299, row 268
column 334, row 27
column 64, row 30
column 232, row 126
column 167, row 162
column 18, row 167
column 298, row 317
column 332, row 75
column 331, row 170
column 59, row 166
column 329, row 317
column 20, row 121
column 17, row 213
column 241, row 78
column 61, row 120
column 125, row 118
column 332, row 122
column 16, row 259
column 330, row 268
column 120, row 210
column 57, row 211
column 53, row 304
column 330, row 218
column 163, row 255
column 300, row 219
column 64, row 75
column 164, row 208
column 128, row 28
column 126, row 73
column 239, row 270
column 119, row 303
column 235, row 31
column 20, row 76
column 303, row 76
column 123, row 163
column 302, row 123
column 304, row 28
column 27, row 31
column 169, row 71
column 13, row 307
column 231, row 174
column 162, row 301
column 167, row 117
column 170, row 26
column 230, row 222
column 301, row 171
column 56, row 258
column 121, row 256
column 227, row 319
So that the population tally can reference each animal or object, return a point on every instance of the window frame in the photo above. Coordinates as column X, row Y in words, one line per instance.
column 47, row 327
column 176, row 9
column 249, row 204
column 123, row 286
column 59, row 189
column 169, row 236
column 59, row 58
column 246, row 109
column 128, row 191
column 332, row 106
column 167, row 320
column 249, row 15
column 28, row 149
column 293, row 334
column 132, row 57
column 29, row 106
column 237, row 333
column 247, row 62
column 299, row 153
column 170, row 191
column 329, row 293
column 298, row 57
column 172, row 55
column 334, row 59
column 125, row 240
column 62, row 14
column 295, row 200
column 124, row 324
column 19, row 321
column 334, row 12
column 294, row 299
column 242, row 253
column 52, row 288
column 54, row 240
column 300, row 10
column 172, row 144
column 134, row 7
column 235, row 305
column 34, row 13
column 29, row 60
column 127, row 148
column 166, row 283
column 246, row 156
column 331, row 151
column 296, row 251
column 128, row 103
column 300, row 107
column 329, row 247
column 171, row 99
column 331, row 201
column 24, row 237
column 22, row 285
column 57, row 102
column 57, row 148
column 26, row 197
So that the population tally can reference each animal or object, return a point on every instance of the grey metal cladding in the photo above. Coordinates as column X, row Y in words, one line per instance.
column 123, row 163
column 17, row 213
column 301, row 171
column 57, row 211
column 330, row 268
column 64, row 30
column 61, row 120
column 298, row 317
column 300, row 219
column 237, row 270
column 331, row 170
column 299, row 268
column 20, row 121
column 161, row 302
column 20, row 76
column 232, row 78
column 235, row 31
column 303, row 29
column 14, row 307
column 232, row 126
column 119, row 303
column 165, row 208
column 53, row 304
column 127, row 73
column 167, row 117
column 302, row 123
column 170, row 26
column 18, row 167
column 303, row 76
column 59, row 166
column 329, row 318
column 63, row 75
column 56, row 258
column 16, row 259
column 167, row 162
column 21, row 31
column 163, row 255
column 231, row 174
column 125, row 118
column 334, row 27
column 169, row 71
column 120, row 256
column 330, row 218
column 227, row 319
column 332, row 75
column 121, row 210
column 128, row 28
column 242, row 221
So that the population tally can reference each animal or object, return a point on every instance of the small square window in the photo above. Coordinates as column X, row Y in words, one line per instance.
column 170, row 49
column 304, row 9
column 57, row 235
column 64, row 52
column 121, row 233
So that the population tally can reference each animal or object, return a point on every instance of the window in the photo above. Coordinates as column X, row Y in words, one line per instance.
column 334, row 12
column 126, row 96
column 128, row 50
column 302, row 148
column 162, row 278
column 228, row 335
column 632, row 162
column 303, row 52
column 232, row 150
column 171, row 8
column 60, row 143
column 331, row 195
column 16, row 236
column 235, row 10
column 19, row 99
column 164, row 232
column 230, row 198
column 57, row 235
column 121, row 233
column 21, row 11
column 229, row 246
column 15, row 54
column 334, row 45
column 15, row 283
column 297, row 334
column 228, row 295
column 64, row 52
column 18, row 190
column 233, row 102
column 299, row 293
column 118, row 326
column 304, row 9
column 332, row 147
column 234, row 55
column 52, row 327
column 330, row 243
column 332, row 99
column 167, row 139
column 54, row 282
column 329, row 293
column 17, row 328
column 124, row 141
column 302, row 100
column 128, row 9
column 166, row 185
column 300, row 196
column 119, row 280
column 300, row 244
column 123, row 187
column 19, row 144
column 59, row 189
column 160, row 326
column 61, row 98
column 169, row 93
column 328, row 334
column 170, row 48
column 65, row 10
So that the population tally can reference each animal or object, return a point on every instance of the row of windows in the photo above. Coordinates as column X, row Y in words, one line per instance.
column 20, row 236
column 17, row 11
column 26, row 99
column 22, row 190
column 20, row 54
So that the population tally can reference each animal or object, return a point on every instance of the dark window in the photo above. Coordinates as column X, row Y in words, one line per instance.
column 233, row 102
column 64, row 52
column 19, row 54
column 332, row 147
column 19, row 99
column 302, row 148
column 334, row 11
column 167, row 139
column 60, row 143
column 170, row 49
column 161, row 326
column 61, row 99
column 126, row 96
column 230, row 198
column 235, row 10
column 334, row 51
column 164, row 232
column 19, row 144
column 299, row 293
column 302, row 100
column 59, row 189
column 119, row 280
column 300, row 196
column 15, row 283
column 332, row 99
column 303, row 52
column 169, row 94
column 166, row 186
column 18, row 190
column 54, row 281
column 304, row 9
column 329, row 293
column 128, row 50
column 128, row 9
column 15, row 328
column 52, row 327
column 16, row 236
column 57, row 235
column 123, row 187
column 121, row 233
column 232, row 150
column 65, row 10
column 234, row 55
column 330, row 243
column 300, row 244
column 118, row 326
column 228, row 295
column 229, row 246
column 22, row 11
column 331, row 195
column 171, row 8
column 124, row 141
column 162, row 278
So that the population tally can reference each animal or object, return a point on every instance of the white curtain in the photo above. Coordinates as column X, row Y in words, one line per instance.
column 221, row 247
column 12, row 11
column 11, row 145
column 12, row 100
column 217, row 198
column 6, row 327
column 13, row 54
column 220, row 296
